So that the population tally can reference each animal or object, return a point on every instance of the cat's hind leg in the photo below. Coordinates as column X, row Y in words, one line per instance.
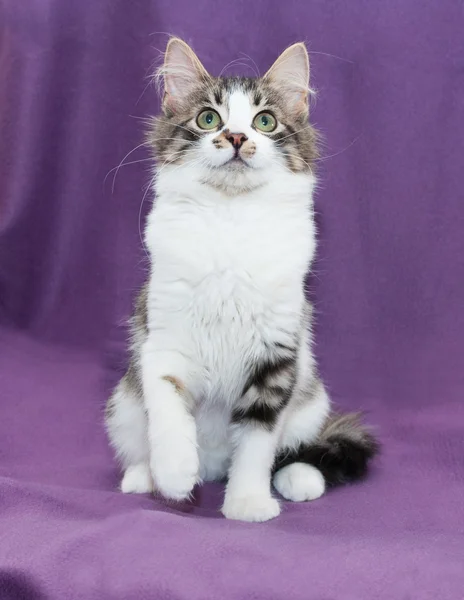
column 137, row 479
column 319, row 448
column 295, row 479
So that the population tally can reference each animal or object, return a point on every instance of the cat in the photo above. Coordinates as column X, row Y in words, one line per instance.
column 222, row 382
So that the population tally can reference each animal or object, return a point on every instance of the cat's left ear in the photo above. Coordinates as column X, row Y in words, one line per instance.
column 290, row 73
column 182, row 72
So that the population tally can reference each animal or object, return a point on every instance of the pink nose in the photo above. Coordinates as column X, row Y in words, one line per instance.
column 236, row 139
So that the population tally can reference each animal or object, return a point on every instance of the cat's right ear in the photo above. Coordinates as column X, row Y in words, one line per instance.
column 182, row 72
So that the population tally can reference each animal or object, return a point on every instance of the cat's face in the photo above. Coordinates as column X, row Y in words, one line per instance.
column 236, row 133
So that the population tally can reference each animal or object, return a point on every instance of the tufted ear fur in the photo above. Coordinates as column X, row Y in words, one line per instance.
column 182, row 72
column 290, row 74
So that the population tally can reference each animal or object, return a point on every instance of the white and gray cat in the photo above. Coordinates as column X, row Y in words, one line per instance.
column 222, row 382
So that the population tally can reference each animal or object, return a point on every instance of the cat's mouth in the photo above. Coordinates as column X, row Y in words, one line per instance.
column 236, row 162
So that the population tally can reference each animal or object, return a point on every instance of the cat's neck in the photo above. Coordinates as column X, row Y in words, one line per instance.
column 189, row 182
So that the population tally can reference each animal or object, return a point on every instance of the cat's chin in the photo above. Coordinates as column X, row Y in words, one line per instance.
column 235, row 177
column 235, row 164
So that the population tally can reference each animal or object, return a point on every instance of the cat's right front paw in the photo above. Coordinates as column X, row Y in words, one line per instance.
column 175, row 471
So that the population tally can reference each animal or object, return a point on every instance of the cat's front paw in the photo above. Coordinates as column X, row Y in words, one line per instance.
column 175, row 470
column 251, row 508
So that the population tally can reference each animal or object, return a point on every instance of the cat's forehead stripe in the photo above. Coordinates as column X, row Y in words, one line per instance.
column 253, row 89
column 218, row 96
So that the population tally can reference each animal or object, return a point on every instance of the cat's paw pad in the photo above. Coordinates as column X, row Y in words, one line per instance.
column 175, row 473
column 251, row 508
column 299, row 482
column 137, row 480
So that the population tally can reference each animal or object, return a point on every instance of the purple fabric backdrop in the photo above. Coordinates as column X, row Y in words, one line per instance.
column 388, row 287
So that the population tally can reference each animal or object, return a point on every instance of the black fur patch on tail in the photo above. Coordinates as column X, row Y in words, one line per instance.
column 342, row 451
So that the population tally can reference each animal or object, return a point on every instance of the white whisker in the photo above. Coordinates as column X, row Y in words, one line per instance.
column 236, row 63
column 132, row 162
column 331, row 56
column 231, row 63
column 181, row 127
column 121, row 163
column 294, row 133
column 256, row 70
column 143, row 91
column 322, row 158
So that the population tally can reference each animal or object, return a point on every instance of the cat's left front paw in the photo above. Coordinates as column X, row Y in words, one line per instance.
column 251, row 508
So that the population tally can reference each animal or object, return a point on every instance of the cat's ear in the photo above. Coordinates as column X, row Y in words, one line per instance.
column 182, row 72
column 290, row 74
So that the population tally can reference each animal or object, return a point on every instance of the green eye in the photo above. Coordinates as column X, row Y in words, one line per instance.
column 208, row 119
column 265, row 122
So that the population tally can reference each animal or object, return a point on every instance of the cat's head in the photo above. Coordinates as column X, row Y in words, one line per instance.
column 234, row 133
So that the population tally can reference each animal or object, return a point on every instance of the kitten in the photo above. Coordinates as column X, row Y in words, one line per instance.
column 222, row 381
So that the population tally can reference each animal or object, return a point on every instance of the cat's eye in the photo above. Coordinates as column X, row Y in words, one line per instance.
column 208, row 119
column 265, row 122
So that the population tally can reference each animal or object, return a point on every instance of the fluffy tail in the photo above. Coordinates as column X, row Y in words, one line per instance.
column 341, row 452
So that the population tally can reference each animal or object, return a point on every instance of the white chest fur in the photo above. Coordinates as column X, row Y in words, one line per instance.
column 227, row 279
